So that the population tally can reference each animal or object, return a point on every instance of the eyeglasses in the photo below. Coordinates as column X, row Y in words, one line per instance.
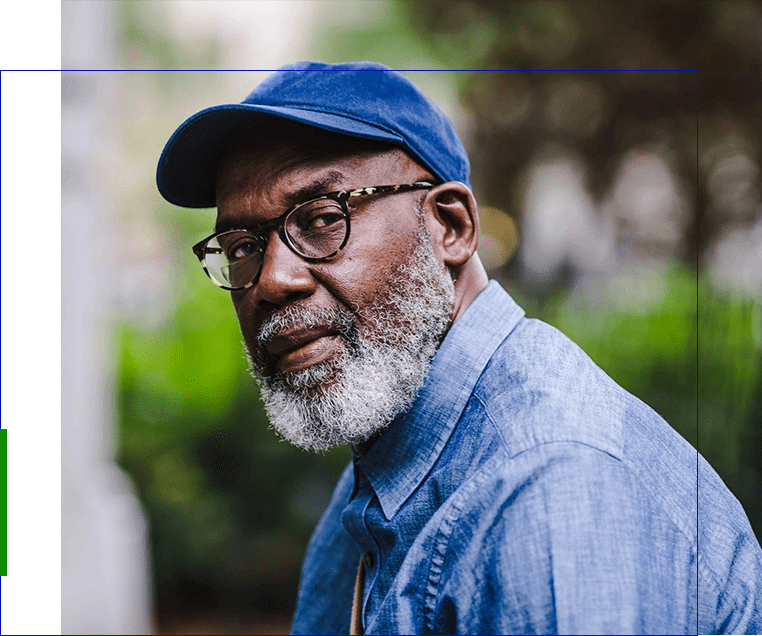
column 316, row 230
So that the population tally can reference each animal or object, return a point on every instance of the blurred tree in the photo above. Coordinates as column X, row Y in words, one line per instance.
column 604, row 115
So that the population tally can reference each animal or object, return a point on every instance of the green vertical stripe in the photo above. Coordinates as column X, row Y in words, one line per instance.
column 4, row 501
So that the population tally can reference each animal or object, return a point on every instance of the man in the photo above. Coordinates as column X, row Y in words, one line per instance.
column 500, row 481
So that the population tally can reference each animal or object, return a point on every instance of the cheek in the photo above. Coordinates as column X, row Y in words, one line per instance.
column 365, row 269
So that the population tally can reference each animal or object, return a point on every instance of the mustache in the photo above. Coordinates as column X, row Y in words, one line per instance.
column 296, row 316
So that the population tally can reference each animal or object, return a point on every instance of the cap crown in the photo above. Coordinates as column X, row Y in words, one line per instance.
column 359, row 99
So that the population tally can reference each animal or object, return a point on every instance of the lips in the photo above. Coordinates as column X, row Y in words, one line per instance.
column 298, row 349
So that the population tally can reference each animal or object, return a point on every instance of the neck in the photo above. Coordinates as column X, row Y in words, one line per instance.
column 470, row 281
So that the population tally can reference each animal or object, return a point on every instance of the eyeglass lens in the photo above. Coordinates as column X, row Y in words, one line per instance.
column 316, row 229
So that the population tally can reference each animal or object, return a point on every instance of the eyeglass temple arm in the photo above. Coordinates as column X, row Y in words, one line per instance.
column 418, row 185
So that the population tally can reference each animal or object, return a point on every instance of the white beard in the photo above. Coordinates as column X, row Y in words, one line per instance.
column 382, row 365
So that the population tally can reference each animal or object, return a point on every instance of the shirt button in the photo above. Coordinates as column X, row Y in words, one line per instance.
column 367, row 560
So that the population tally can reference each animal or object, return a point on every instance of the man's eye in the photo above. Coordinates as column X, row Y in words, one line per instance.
column 241, row 250
column 322, row 221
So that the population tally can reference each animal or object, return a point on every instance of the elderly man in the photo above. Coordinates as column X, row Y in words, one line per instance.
column 500, row 482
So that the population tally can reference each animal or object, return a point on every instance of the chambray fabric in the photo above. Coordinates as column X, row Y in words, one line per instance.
column 524, row 492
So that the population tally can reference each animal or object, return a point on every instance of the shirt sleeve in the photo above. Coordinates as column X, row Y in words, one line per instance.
column 568, row 542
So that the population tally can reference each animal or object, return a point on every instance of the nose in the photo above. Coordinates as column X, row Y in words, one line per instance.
column 285, row 277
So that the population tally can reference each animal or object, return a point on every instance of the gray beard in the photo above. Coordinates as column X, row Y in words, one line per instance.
column 382, row 364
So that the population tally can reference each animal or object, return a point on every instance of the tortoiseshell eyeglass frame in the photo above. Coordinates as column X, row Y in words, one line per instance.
column 201, row 249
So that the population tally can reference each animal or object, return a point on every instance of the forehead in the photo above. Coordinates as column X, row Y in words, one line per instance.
column 274, row 154
column 291, row 168
column 268, row 174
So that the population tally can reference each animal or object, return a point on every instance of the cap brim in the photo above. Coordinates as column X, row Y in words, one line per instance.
column 188, row 165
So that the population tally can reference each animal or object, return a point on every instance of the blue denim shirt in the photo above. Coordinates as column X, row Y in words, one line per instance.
column 525, row 492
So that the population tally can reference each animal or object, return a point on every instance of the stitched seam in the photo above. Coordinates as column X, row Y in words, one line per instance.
column 337, row 113
column 444, row 535
column 492, row 421
column 685, row 533
column 689, row 538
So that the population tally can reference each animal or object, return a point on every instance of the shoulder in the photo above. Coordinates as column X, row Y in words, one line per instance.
column 542, row 393
column 540, row 378
column 565, row 538
column 596, row 484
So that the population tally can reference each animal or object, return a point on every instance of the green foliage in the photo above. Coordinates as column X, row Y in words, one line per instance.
column 148, row 40
column 730, row 380
column 378, row 31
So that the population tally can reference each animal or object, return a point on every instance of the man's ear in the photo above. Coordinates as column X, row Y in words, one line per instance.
column 453, row 222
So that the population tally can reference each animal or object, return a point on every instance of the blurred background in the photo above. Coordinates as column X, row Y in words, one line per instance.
column 182, row 512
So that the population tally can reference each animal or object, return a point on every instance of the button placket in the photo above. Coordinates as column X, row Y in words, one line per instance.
column 355, row 523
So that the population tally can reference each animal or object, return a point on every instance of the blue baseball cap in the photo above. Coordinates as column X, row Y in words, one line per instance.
column 359, row 99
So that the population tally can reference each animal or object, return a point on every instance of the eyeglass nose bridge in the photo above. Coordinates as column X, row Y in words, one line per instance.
column 279, row 226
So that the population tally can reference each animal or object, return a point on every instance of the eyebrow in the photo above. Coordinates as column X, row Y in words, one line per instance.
column 322, row 185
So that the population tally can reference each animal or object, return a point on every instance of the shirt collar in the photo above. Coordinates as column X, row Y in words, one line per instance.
column 407, row 450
